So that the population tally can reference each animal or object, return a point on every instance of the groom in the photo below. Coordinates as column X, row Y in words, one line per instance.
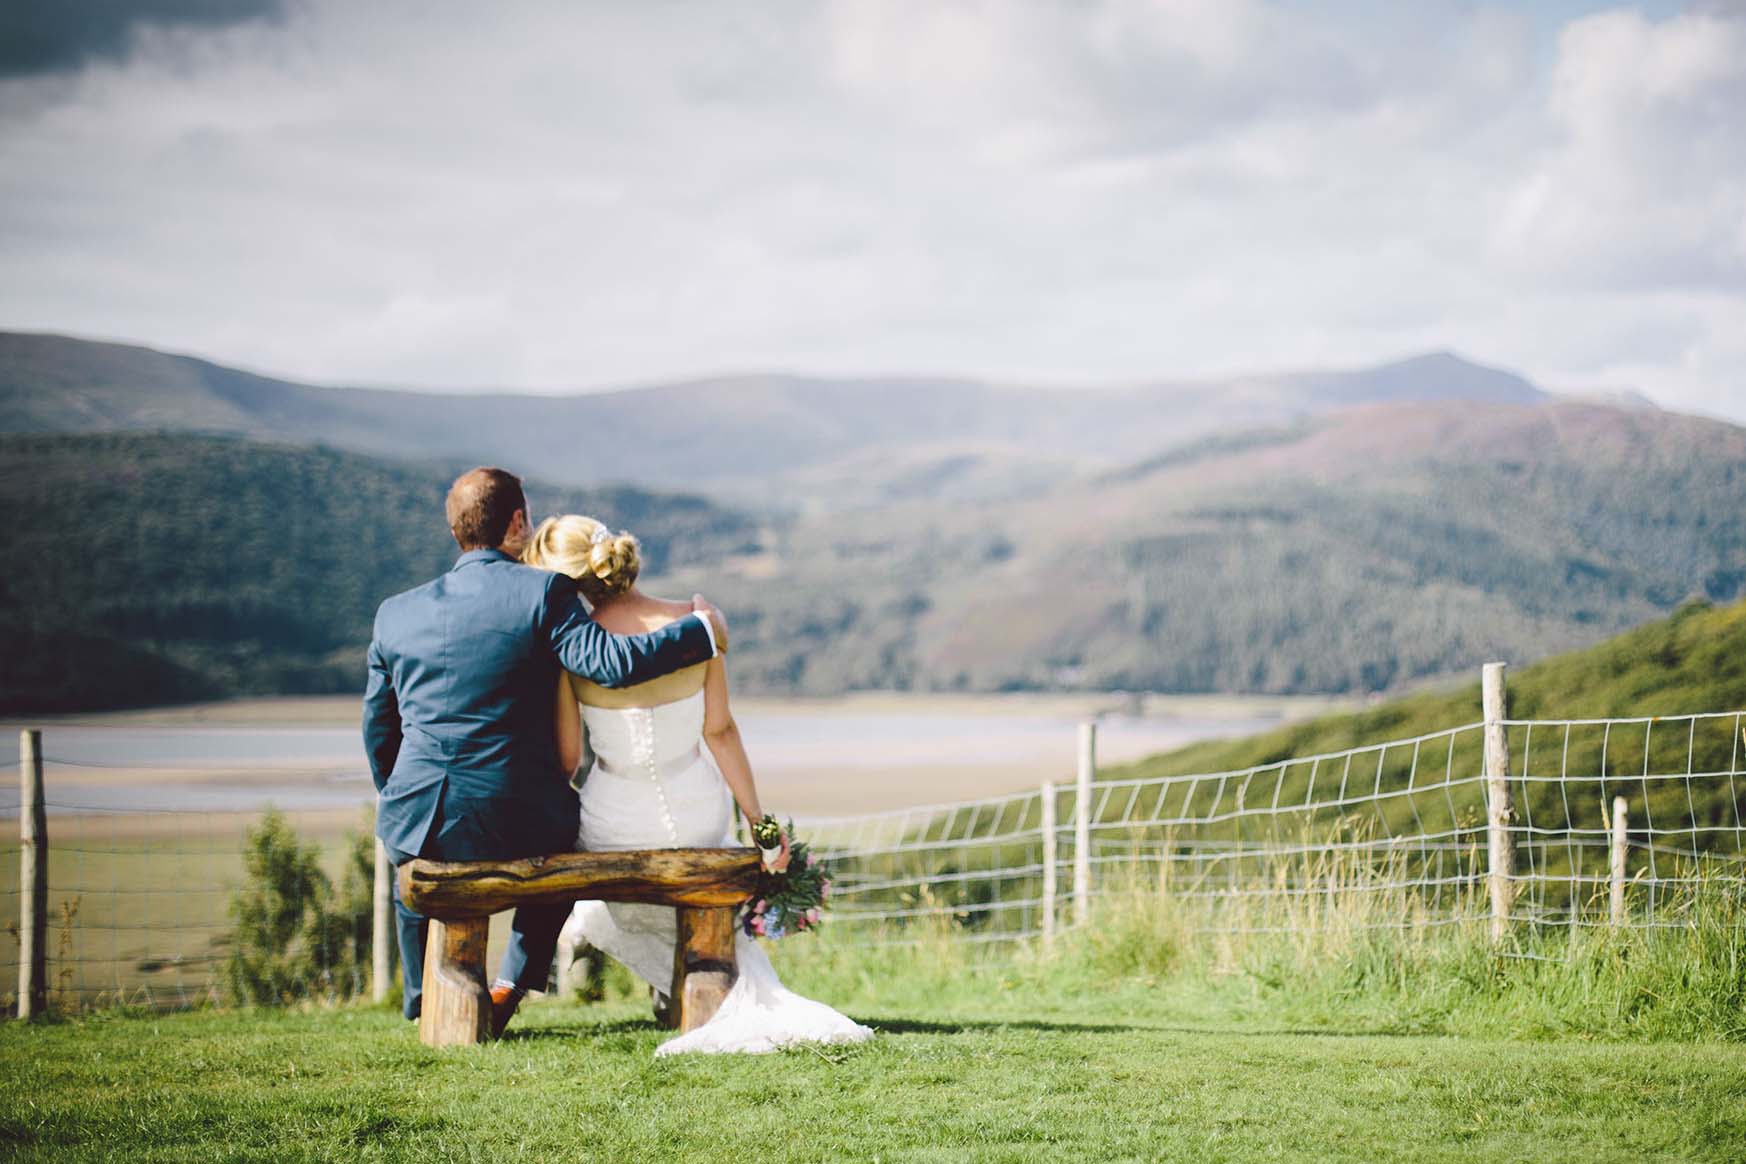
column 458, row 715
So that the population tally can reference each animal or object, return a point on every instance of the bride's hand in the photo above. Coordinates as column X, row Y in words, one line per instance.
column 780, row 863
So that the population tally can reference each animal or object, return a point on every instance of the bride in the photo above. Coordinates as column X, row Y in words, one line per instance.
column 652, row 786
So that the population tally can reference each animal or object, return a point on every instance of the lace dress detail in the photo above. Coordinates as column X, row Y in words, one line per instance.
column 653, row 786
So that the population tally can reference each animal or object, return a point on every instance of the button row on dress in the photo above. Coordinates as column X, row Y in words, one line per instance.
column 645, row 745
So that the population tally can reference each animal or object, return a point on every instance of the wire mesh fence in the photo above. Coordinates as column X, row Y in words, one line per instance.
column 1405, row 821
column 141, row 903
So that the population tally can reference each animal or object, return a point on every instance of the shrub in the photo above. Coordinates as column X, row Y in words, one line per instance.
column 289, row 942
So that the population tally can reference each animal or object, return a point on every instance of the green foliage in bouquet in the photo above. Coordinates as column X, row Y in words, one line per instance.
column 790, row 902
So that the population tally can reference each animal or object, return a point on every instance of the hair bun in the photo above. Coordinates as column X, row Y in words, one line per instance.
column 604, row 564
column 615, row 562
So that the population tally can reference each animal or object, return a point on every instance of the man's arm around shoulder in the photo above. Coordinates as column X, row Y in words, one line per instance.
column 584, row 649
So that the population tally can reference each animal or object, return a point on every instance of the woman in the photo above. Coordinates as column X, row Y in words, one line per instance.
column 652, row 787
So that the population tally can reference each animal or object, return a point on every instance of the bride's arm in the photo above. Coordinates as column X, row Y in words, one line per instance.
column 569, row 722
column 722, row 735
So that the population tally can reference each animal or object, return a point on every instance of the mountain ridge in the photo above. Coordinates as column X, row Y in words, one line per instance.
column 767, row 438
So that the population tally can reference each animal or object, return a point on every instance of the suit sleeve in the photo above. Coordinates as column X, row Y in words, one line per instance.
column 584, row 649
column 381, row 718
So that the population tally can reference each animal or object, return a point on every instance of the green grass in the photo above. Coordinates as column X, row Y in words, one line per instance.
column 583, row 1084
column 947, row 1083
column 1348, row 956
column 1138, row 1038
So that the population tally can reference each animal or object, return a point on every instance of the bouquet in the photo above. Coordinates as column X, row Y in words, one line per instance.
column 785, row 903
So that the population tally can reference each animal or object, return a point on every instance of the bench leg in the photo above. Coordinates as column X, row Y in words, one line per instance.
column 703, row 964
column 457, row 1006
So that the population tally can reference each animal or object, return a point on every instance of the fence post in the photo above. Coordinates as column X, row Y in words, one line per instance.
column 381, row 925
column 1050, row 856
column 1617, row 874
column 32, row 878
column 1499, row 809
column 1082, row 823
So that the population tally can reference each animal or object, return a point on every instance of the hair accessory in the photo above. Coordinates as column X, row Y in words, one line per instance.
column 601, row 534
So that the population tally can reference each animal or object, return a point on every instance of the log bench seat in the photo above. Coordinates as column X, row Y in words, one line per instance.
column 706, row 887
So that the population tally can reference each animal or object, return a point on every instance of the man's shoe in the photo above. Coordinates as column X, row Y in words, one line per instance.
column 504, row 1000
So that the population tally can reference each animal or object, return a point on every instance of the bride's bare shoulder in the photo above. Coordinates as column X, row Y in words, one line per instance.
column 672, row 608
column 639, row 613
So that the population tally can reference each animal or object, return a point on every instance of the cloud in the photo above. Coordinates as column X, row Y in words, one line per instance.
column 1645, row 187
column 564, row 194
column 59, row 35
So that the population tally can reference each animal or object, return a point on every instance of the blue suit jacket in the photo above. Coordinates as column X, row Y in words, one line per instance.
column 458, row 712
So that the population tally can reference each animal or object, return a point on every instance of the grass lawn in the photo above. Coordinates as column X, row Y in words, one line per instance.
column 579, row 1082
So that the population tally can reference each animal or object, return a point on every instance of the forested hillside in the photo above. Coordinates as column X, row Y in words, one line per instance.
column 1382, row 527
column 145, row 569
column 1353, row 552
column 1691, row 663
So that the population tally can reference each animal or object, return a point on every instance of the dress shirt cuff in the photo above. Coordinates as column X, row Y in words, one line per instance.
column 709, row 629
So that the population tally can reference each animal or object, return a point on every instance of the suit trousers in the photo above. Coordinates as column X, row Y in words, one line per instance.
column 527, row 962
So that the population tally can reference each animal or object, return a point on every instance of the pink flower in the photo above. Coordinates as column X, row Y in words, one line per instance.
column 758, row 926
column 812, row 915
column 824, row 890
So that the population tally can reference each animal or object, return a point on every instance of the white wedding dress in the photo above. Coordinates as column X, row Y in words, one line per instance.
column 653, row 786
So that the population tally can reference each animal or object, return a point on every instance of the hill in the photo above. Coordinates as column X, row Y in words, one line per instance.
column 777, row 440
column 147, row 569
column 1372, row 529
column 1692, row 661
column 1356, row 551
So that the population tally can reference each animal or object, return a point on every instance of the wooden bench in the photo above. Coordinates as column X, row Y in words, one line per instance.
column 706, row 887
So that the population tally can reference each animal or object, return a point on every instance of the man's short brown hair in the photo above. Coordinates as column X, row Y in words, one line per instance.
column 482, row 502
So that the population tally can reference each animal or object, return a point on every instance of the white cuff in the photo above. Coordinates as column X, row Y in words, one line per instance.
column 710, row 628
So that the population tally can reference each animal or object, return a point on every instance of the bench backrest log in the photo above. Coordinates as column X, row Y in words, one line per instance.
column 704, row 885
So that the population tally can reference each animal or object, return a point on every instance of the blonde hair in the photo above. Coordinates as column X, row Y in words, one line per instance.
column 604, row 564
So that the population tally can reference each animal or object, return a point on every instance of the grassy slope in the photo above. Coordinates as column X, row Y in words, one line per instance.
column 583, row 1085
column 1694, row 661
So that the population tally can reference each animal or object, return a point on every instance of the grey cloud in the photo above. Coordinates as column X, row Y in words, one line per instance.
column 47, row 36
column 563, row 194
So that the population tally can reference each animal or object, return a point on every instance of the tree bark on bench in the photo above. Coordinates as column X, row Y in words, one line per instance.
column 706, row 887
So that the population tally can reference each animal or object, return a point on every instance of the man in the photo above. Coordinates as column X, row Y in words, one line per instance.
column 458, row 715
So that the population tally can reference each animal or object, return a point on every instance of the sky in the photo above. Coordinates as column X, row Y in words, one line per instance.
column 566, row 195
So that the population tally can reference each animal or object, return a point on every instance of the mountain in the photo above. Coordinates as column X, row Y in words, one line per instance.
column 1355, row 551
column 148, row 569
column 788, row 442
column 1321, row 532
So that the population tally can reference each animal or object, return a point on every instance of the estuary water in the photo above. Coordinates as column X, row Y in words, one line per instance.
column 811, row 757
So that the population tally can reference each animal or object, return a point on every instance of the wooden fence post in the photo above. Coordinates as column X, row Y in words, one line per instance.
column 1051, row 855
column 32, row 878
column 381, row 925
column 1621, row 825
column 1499, row 808
column 1082, row 824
